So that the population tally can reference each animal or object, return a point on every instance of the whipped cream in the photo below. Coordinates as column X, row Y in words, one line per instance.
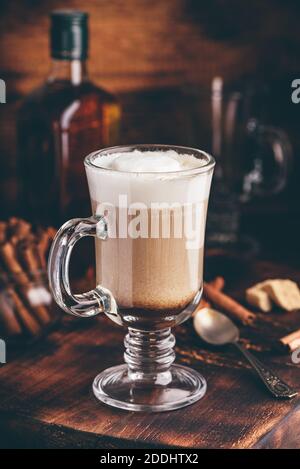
column 147, row 177
column 138, row 161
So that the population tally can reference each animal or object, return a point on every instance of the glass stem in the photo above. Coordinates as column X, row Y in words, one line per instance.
column 149, row 355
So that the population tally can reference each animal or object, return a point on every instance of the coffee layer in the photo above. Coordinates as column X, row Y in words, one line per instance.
column 151, row 273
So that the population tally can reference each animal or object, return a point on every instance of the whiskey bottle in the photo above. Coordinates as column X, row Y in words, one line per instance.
column 60, row 123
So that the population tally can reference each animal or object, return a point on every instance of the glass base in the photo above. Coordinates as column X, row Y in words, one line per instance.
column 172, row 389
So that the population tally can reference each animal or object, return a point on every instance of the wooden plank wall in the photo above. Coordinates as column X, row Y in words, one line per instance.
column 146, row 43
column 138, row 45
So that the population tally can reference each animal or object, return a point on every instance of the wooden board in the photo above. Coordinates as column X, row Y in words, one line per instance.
column 46, row 398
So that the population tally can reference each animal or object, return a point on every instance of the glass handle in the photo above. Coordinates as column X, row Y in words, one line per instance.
column 279, row 143
column 86, row 304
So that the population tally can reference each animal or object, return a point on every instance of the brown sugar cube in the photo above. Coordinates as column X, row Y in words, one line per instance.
column 284, row 293
column 259, row 298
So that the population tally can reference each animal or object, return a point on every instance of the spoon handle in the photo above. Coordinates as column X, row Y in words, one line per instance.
column 275, row 385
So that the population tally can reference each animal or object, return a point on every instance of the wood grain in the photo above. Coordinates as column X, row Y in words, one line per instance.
column 137, row 44
column 134, row 44
column 46, row 397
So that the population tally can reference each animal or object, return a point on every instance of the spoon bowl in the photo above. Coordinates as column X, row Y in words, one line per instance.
column 215, row 328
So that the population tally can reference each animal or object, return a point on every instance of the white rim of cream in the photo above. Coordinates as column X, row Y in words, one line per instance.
column 181, row 150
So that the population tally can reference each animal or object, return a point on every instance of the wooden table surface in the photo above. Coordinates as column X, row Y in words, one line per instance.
column 46, row 398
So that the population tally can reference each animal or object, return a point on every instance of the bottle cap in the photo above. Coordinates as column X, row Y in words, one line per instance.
column 69, row 35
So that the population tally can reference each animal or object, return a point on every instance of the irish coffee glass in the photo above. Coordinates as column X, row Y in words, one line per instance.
column 149, row 231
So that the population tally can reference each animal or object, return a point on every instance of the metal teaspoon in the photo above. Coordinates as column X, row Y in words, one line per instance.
column 217, row 329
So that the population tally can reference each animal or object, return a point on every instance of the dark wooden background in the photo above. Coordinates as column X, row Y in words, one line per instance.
column 147, row 52
column 137, row 44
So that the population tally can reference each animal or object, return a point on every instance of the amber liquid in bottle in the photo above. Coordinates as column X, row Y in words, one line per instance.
column 59, row 124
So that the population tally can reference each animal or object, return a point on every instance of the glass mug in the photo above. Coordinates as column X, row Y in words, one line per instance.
column 254, row 159
column 149, row 233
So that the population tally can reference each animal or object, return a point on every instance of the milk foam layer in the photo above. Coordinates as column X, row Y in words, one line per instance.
column 150, row 177
column 148, row 161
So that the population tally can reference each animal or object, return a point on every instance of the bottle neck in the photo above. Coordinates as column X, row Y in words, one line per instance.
column 72, row 71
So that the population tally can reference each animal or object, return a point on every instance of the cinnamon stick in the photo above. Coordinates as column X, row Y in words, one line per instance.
column 9, row 257
column 218, row 283
column 13, row 266
column 29, row 257
column 33, row 295
column 2, row 232
column 24, row 316
column 23, row 254
column 31, row 262
column 8, row 318
column 40, row 310
column 43, row 314
column 228, row 304
column 19, row 228
column 291, row 341
column 44, row 242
